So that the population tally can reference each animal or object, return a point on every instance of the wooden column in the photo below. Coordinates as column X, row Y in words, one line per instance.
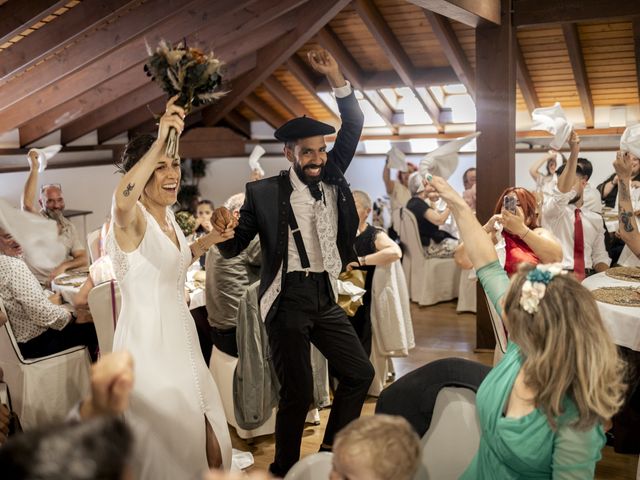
column 496, row 119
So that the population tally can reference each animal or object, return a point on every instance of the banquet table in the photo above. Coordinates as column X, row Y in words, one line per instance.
column 623, row 323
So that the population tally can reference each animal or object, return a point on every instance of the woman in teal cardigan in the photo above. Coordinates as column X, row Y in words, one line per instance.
column 542, row 409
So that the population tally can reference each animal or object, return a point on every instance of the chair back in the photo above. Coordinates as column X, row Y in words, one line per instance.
column 498, row 331
column 453, row 436
column 312, row 467
column 104, row 303
column 410, row 235
column 93, row 243
column 8, row 345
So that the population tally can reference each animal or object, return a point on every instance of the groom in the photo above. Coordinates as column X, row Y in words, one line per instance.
column 307, row 222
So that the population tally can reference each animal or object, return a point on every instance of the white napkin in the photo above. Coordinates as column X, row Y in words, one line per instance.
column 348, row 288
column 630, row 140
column 443, row 161
column 38, row 236
column 44, row 154
column 397, row 159
column 552, row 120
column 254, row 159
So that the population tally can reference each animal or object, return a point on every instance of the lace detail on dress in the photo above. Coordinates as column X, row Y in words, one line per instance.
column 119, row 259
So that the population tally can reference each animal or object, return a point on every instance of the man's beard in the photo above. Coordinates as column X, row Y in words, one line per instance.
column 302, row 175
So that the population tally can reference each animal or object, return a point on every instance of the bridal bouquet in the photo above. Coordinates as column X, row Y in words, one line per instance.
column 188, row 72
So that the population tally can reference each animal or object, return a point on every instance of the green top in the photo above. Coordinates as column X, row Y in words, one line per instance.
column 526, row 447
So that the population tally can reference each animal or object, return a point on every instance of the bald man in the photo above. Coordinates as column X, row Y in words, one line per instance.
column 51, row 203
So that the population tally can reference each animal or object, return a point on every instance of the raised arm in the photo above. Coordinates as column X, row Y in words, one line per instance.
column 28, row 199
column 386, row 178
column 438, row 218
column 628, row 226
column 471, row 232
column 534, row 170
column 132, row 184
column 609, row 184
column 567, row 178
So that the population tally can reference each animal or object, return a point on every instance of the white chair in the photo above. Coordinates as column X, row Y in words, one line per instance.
column 453, row 437
column 498, row 331
column 467, row 297
column 92, row 243
column 104, row 303
column 312, row 467
column 44, row 389
column 222, row 366
column 430, row 280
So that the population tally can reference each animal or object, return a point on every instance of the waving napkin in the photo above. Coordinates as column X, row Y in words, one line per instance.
column 552, row 120
column 443, row 161
column 397, row 159
column 44, row 154
column 630, row 140
column 38, row 236
column 254, row 159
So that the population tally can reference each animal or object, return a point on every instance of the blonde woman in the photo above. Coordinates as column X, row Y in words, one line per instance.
column 543, row 407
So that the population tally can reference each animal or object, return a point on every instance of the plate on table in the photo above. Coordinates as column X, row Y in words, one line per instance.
column 621, row 296
column 73, row 280
column 629, row 274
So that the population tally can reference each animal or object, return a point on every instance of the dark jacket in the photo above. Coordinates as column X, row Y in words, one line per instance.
column 266, row 207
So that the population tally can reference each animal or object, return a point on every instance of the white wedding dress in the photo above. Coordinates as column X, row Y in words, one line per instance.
column 173, row 390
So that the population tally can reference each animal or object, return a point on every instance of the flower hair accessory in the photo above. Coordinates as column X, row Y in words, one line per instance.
column 535, row 286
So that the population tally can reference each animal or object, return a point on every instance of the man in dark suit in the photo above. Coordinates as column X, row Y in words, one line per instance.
column 307, row 222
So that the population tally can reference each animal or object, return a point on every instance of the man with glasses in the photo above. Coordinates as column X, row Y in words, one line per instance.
column 52, row 206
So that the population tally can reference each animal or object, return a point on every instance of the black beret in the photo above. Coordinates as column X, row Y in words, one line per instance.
column 302, row 127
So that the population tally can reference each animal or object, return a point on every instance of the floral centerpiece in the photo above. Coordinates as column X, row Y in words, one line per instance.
column 187, row 72
column 186, row 222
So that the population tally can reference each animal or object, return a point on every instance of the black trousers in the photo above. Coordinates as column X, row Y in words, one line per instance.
column 414, row 395
column 308, row 313
column 225, row 340
column 53, row 341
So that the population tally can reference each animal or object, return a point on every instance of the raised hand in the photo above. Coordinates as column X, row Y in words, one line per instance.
column 173, row 117
column 574, row 141
column 443, row 188
column 323, row 62
column 622, row 165
column 34, row 160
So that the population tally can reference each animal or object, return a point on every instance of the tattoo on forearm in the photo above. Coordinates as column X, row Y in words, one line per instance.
column 127, row 191
column 624, row 191
column 626, row 218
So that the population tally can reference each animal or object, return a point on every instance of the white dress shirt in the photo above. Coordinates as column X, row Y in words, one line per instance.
column 558, row 216
column 28, row 308
column 592, row 199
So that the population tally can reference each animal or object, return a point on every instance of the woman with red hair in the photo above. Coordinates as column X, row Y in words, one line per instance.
column 525, row 241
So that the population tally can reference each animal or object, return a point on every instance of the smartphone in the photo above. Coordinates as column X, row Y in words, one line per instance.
column 509, row 203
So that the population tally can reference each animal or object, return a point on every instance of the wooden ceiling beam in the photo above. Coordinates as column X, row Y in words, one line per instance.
column 527, row 88
column 383, row 34
column 636, row 47
column 244, row 31
column 330, row 41
column 423, row 77
column 572, row 39
column 380, row 106
column 129, row 119
column 239, row 123
column 264, row 111
column 430, row 106
column 53, row 36
column 309, row 81
column 116, row 46
column 286, row 98
column 18, row 15
column 309, row 22
column 541, row 12
column 454, row 52
column 469, row 12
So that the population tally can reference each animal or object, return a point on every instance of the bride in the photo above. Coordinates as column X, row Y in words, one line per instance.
column 175, row 411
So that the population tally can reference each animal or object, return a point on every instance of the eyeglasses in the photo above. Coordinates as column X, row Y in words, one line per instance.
column 55, row 185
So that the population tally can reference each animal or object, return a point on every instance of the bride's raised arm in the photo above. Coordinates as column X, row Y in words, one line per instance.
column 132, row 184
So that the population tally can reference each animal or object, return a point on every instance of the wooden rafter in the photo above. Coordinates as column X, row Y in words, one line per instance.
column 239, row 123
column 53, row 36
column 454, row 52
column 524, row 80
column 329, row 40
column 243, row 31
column 309, row 22
column 378, row 27
column 572, row 39
column 430, row 106
column 540, row 12
column 18, row 15
column 469, row 12
column 636, row 47
column 264, row 111
column 286, row 98
column 380, row 106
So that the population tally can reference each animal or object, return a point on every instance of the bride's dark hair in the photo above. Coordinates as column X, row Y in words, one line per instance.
column 134, row 151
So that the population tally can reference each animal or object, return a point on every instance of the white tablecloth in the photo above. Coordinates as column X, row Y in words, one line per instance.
column 623, row 323
column 68, row 292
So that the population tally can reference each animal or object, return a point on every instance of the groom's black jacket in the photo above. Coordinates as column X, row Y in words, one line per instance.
column 266, row 206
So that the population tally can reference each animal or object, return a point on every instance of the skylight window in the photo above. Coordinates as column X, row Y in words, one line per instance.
column 462, row 107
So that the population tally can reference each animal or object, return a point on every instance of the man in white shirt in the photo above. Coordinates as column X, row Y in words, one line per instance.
column 590, row 195
column 580, row 231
